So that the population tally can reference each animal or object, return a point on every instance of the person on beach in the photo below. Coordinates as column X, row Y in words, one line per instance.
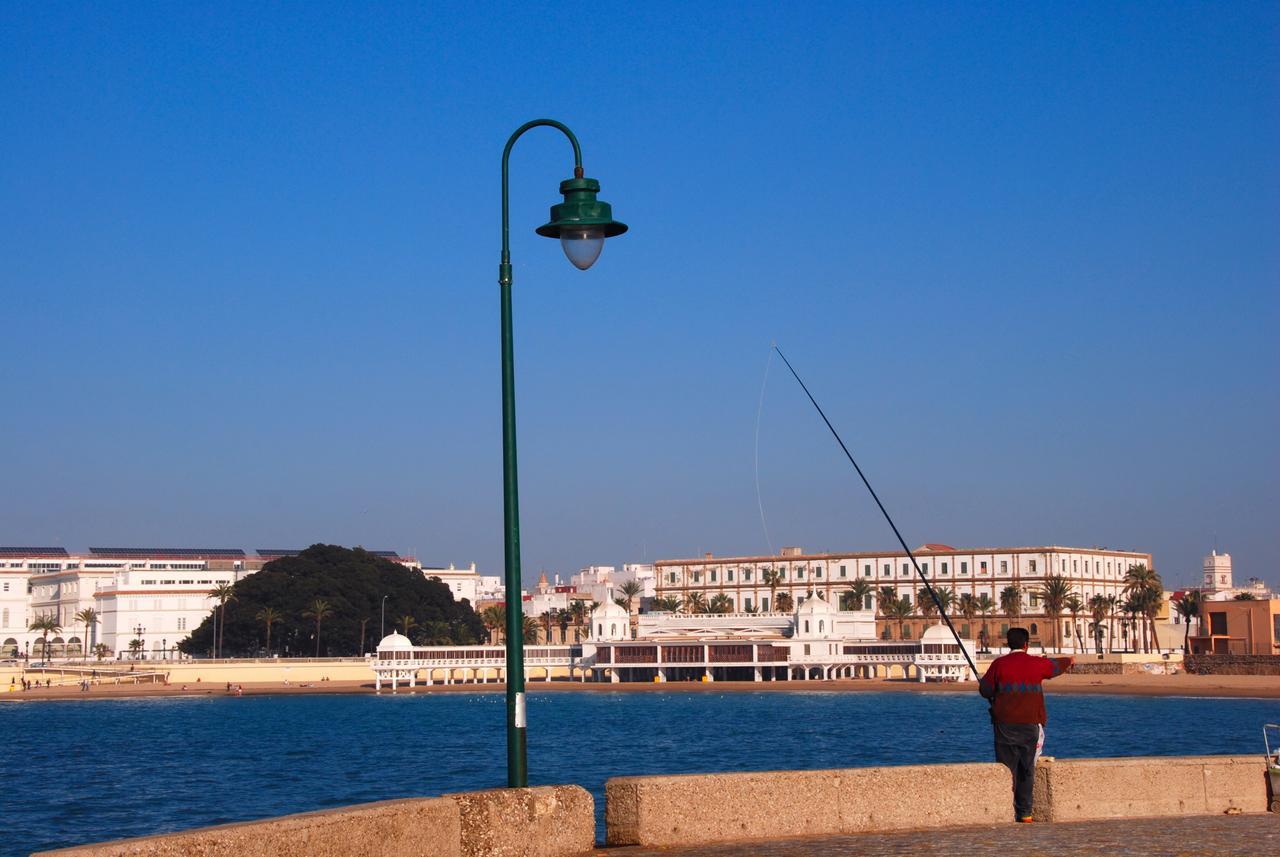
column 1013, row 686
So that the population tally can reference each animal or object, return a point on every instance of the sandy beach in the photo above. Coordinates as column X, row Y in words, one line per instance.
column 1240, row 686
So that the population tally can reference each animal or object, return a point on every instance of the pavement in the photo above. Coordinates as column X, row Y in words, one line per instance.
column 1188, row 836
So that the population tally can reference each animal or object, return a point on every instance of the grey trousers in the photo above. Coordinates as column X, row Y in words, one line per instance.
column 1017, row 748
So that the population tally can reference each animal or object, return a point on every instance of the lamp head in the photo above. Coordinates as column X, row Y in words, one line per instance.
column 581, row 222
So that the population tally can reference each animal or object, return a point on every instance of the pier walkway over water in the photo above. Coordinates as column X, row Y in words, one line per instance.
column 1190, row 836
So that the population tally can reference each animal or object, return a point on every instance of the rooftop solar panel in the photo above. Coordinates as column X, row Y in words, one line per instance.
column 273, row 553
column 33, row 552
column 224, row 553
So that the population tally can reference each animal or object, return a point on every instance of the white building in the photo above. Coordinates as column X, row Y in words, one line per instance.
column 1219, row 585
column 155, row 595
column 976, row 571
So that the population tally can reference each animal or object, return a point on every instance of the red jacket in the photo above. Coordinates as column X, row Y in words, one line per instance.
column 1013, row 683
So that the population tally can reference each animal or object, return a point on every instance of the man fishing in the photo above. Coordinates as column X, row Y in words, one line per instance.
column 1013, row 685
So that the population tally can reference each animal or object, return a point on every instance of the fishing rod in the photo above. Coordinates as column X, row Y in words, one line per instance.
column 923, row 579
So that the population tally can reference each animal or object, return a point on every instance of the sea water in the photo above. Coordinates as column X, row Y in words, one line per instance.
column 84, row 771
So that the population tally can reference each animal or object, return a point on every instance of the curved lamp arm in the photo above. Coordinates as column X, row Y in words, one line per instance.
column 504, row 269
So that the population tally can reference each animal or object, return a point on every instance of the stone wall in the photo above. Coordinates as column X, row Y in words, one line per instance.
column 549, row 821
column 1233, row 664
column 705, row 808
column 708, row 808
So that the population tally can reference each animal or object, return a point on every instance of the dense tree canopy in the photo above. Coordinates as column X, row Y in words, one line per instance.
column 352, row 583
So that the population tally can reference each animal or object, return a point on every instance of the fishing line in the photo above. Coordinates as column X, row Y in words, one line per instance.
column 759, row 409
column 923, row 579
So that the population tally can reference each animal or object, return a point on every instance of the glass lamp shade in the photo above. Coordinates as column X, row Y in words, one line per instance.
column 582, row 245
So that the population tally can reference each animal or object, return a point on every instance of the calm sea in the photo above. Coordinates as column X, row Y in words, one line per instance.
column 85, row 771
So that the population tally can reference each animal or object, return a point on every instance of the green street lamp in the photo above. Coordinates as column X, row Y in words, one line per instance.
column 581, row 222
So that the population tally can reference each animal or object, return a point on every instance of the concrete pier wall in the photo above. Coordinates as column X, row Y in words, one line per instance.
column 549, row 821
column 1088, row 789
column 705, row 808
column 708, row 808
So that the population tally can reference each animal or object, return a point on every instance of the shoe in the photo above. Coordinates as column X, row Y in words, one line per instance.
column 1025, row 819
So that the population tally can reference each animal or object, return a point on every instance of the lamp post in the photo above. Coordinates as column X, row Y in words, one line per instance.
column 581, row 223
column 382, row 622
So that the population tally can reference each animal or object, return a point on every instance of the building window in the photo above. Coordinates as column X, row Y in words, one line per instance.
column 964, row 567
column 906, row 596
column 944, row 569
column 843, row 571
column 746, row 574
column 866, row 570
column 817, row 572
column 1004, row 566
column 906, row 569
column 982, row 566
column 799, row 574
column 806, row 629
column 1032, row 565
column 1075, row 565
column 746, row 605
column 713, row 575
column 1035, row 630
column 886, row 571
column 1218, row 624
column 728, row 575
column 925, row 569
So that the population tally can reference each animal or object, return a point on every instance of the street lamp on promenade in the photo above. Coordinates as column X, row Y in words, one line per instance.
column 581, row 223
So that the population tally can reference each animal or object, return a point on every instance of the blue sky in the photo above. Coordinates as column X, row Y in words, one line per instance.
column 1026, row 257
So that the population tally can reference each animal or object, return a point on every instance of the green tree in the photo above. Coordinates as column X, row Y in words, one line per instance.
column 1113, row 609
column 101, row 650
column 1054, row 591
column 720, row 603
column 578, row 609
column 530, row 636
column 406, row 624
column 222, row 593
column 318, row 610
column 968, row 608
column 857, row 595
column 89, row 618
column 986, row 607
column 268, row 616
column 669, row 603
column 1075, row 607
column 1188, row 607
column 1244, row 596
column 354, row 582
column 495, row 620
column 898, row 610
column 46, row 624
column 696, row 603
column 1099, row 610
column 1011, row 603
column 135, row 647
column 772, row 578
column 1144, row 589
column 784, row 603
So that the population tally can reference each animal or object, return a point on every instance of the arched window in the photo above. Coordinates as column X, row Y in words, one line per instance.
column 1034, row 630
column 600, row 630
column 806, row 626
column 821, row 626
column 613, row 629
column 9, row 648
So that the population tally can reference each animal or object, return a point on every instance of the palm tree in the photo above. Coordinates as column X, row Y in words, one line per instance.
column 49, row 625
column 578, row 609
column 1055, row 590
column 564, row 618
column 695, row 603
column 222, row 593
column 548, row 622
column 268, row 616
column 1113, row 607
column 784, row 603
column 946, row 597
column 1150, row 603
column 1011, row 603
column 968, row 608
column 772, row 578
column 669, row 603
column 986, row 607
column 89, row 617
column 1075, row 607
column 407, row 623
column 135, row 647
column 1188, row 607
column 1144, row 588
column 319, row 610
column 530, row 630
column 101, row 650
column 720, row 603
column 1099, row 609
column 899, row 610
column 855, row 597
column 495, row 619
column 630, row 589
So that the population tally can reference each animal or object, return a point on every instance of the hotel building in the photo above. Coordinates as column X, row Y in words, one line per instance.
column 1091, row 571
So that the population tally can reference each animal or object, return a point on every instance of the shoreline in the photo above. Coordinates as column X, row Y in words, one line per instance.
column 1182, row 685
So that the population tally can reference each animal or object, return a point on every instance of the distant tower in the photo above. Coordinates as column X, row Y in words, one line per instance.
column 1217, row 572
